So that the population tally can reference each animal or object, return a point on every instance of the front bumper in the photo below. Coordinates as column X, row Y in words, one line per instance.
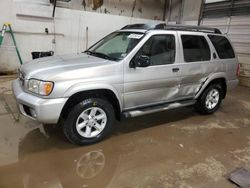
column 43, row 110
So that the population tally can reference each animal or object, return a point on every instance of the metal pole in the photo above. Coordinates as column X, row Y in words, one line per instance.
column 169, row 10
column 165, row 10
column 230, row 17
column 54, row 9
column 180, row 16
column 201, row 12
column 87, row 37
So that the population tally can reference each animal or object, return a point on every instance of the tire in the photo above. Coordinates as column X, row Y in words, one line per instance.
column 203, row 106
column 80, row 116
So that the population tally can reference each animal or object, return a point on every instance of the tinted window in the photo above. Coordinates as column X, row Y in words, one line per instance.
column 222, row 46
column 160, row 49
column 195, row 48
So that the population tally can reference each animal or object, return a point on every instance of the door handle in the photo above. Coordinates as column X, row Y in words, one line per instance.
column 175, row 69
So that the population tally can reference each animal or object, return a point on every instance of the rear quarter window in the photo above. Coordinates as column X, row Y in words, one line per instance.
column 223, row 47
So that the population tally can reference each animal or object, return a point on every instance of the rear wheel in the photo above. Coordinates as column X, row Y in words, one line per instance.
column 210, row 100
column 89, row 121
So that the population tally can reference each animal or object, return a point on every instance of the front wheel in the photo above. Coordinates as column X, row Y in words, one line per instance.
column 210, row 100
column 89, row 121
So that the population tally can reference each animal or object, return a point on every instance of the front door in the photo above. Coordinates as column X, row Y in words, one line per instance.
column 157, row 83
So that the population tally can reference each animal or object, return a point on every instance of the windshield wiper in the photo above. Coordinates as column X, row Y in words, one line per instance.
column 101, row 55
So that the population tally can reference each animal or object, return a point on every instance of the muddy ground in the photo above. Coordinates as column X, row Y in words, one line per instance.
column 172, row 149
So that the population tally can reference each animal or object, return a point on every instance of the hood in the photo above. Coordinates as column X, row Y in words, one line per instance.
column 48, row 67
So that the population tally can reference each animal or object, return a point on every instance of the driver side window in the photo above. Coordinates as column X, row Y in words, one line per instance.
column 160, row 49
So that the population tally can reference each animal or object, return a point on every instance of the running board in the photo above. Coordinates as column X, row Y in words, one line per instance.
column 158, row 108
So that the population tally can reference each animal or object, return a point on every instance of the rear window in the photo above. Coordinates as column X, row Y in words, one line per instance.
column 222, row 46
column 195, row 48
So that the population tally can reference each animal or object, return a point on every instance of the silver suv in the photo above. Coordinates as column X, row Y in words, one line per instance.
column 138, row 70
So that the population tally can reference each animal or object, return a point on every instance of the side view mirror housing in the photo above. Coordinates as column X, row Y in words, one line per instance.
column 140, row 61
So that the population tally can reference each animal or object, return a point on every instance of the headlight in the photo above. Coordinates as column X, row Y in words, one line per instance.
column 40, row 87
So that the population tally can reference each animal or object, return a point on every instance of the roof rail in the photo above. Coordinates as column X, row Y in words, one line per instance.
column 163, row 26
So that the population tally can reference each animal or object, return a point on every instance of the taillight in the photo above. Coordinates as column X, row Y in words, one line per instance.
column 238, row 70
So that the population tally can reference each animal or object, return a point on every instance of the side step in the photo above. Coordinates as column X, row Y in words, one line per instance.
column 158, row 108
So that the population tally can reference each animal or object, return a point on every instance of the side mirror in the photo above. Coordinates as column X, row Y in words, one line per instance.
column 140, row 61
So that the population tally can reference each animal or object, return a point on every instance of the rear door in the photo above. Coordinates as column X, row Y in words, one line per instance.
column 196, row 62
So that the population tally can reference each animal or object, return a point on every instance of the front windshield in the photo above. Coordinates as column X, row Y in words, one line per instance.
column 115, row 46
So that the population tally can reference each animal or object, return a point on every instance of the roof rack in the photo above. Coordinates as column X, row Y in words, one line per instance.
column 163, row 26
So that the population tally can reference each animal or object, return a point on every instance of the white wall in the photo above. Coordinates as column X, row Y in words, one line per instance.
column 71, row 24
column 149, row 9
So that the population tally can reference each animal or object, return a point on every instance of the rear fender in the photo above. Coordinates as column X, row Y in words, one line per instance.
column 209, row 79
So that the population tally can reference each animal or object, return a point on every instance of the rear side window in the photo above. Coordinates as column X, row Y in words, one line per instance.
column 195, row 48
column 222, row 46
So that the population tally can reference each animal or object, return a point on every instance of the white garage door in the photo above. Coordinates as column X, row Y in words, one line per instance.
column 238, row 30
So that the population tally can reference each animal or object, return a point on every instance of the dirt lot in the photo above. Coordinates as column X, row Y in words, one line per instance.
column 173, row 149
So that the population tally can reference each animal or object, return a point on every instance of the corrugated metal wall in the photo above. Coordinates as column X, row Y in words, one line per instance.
column 226, row 8
column 236, row 27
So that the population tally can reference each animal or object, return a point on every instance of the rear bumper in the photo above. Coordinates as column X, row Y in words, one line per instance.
column 231, row 84
column 43, row 110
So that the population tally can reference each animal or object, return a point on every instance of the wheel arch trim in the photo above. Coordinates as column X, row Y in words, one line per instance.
column 210, row 79
column 80, row 87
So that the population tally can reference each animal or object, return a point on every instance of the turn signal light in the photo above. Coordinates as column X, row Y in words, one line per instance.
column 47, row 88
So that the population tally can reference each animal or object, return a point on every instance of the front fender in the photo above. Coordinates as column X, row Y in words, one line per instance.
column 80, row 87
column 209, row 79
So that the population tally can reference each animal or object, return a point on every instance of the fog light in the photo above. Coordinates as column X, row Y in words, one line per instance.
column 33, row 113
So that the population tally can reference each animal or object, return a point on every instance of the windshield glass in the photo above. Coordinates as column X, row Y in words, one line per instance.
column 115, row 46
